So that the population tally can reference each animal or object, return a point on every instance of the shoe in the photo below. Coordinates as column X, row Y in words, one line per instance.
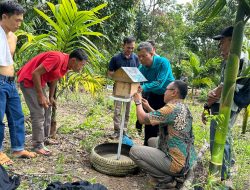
column 115, row 135
column 167, row 183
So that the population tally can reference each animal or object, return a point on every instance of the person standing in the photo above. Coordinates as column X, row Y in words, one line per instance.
column 157, row 70
column 124, row 59
column 213, row 101
column 45, row 68
column 11, row 17
column 138, row 126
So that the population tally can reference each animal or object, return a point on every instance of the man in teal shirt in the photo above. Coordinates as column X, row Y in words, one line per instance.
column 157, row 70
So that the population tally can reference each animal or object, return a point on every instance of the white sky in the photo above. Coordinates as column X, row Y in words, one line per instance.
column 183, row 1
column 178, row 1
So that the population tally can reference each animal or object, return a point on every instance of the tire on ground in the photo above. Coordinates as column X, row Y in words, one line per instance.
column 102, row 163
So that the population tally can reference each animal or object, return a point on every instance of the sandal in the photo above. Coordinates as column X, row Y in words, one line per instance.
column 51, row 142
column 5, row 160
column 24, row 154
column 43, row 151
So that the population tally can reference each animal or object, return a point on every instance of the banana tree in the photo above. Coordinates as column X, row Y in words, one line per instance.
column 231, row 72
column 70, row 28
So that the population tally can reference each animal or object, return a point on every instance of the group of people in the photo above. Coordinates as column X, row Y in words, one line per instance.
column 168, row 139
column 43, row 70
column 169, row 142
column 168, row 149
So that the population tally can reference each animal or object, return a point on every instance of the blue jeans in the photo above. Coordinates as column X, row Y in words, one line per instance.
column 10, row 105
column 227, row 159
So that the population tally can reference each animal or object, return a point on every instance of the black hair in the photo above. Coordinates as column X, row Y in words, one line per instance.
column 128, row 40
column 152, row 42
column 182, row 87
column 10, row 8
column 145, row 45
column 78, row 54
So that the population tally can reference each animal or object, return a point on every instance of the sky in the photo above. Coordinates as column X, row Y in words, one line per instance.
column 183, row 1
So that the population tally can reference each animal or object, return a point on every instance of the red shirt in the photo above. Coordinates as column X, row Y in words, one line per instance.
column 54, row 62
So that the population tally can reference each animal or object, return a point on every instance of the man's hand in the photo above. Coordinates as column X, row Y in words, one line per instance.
column 137, row 97
column 139, row 90
column 52, row 102
column 146, row 105
column 43, row 101
column 204, row 116
column 214, row 95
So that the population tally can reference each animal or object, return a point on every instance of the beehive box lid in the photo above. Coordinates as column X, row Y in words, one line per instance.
column 129, row 74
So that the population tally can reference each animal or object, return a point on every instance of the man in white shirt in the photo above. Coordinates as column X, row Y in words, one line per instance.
column 11, row 17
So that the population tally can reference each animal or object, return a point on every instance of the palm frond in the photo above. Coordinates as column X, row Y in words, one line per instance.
column 211, row 8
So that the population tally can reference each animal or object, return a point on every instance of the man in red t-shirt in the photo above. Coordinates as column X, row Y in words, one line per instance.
column 45, row 68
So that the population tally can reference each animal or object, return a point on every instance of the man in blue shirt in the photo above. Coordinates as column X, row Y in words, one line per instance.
column 157, row 70
column 124, row 59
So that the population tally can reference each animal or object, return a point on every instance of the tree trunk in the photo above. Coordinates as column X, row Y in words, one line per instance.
column 231, row 72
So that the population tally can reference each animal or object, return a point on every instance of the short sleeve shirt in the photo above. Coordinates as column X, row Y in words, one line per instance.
column 55, row 64
column 175, row 133
column 120, row 60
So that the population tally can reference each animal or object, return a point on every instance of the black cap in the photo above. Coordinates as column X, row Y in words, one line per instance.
column 226, row 32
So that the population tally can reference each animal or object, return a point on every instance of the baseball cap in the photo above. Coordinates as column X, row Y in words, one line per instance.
column 226, row 32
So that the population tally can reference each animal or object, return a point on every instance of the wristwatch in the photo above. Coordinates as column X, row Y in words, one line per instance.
column 137, row 102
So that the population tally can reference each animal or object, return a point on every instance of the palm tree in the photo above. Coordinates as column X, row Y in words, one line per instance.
column 69, row 28
column 231, row 72
column 196, row 72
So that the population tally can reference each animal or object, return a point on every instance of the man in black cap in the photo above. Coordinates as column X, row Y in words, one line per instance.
column 213, row 101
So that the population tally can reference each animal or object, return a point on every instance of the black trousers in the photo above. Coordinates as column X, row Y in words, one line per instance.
column 156, row 102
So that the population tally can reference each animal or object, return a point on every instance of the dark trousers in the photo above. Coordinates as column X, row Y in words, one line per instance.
column 156, row 102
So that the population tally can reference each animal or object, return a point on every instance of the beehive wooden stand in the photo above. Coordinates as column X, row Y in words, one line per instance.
column 127, row 80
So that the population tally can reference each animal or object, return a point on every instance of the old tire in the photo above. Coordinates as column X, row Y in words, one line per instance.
column 111, row 166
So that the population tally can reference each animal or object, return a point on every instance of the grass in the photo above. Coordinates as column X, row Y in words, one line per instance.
column 96, row 115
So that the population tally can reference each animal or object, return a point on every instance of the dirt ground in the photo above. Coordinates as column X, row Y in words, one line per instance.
column 69, row 161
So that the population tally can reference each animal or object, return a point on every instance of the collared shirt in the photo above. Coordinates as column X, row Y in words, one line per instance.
column 159, row 75
column 54, row 62
column 120, row 60
column 175, row 133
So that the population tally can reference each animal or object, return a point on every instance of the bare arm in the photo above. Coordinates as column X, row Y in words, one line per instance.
column 214, row 95
column 36, row 78
column 146, row 105
column 52, row 88
column 142, row 116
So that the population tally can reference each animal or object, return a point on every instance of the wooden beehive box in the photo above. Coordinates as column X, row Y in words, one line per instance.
column 127, row 80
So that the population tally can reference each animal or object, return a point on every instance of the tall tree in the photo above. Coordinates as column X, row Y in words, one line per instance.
column 119, row 25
